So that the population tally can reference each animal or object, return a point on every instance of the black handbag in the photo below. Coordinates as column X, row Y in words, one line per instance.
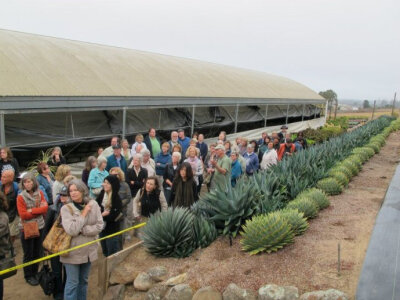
column 47, row 279
column 8, row 262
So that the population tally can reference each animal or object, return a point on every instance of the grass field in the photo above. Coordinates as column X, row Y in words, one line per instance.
column 366, row 113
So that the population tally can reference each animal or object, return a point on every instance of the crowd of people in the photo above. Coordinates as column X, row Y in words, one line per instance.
column 119, row 186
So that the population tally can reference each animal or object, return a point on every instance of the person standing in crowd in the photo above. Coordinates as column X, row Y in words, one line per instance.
column 276, row 144
column 184, row 188
column 193, row 143
column 236, row 168
column 99, row 151
column 173, row 141
column 209, row 174
column 149, row 200
column 125, row 196
column 110, row 150
column 183, row 140
column 91, row 163
column 56, row 266
column 202, row 147
column 197, row 166
column 286, row 149
column 222, row 137
column 8, row 161
column 153, row 143
column 162, row 159
column 125, row 151
column 9, row 188
column 169, row 175
column 243, row 146
column 136, row 174
column 116, row 160
column 227, row 145
column 262, row 140
column 282, row 134
column 269, row 158
column 148, row 163
column 32, row 207
column 222, row 166
column 83, row 222
column 138, row 142
column 56, row 159
column 299, row 142
column 62, row 172
column 5, row 244
column 178, row 148
column 252, row 163
column 46, row 180
column 111, row 209
column 303, row 141
column 263, row 147
column 96, row 177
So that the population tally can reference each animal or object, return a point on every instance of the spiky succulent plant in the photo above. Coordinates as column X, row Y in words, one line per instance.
column 318, row 196
column 204, row 232
column 304, row 205
column 229, row 210
column 330, row 186
column 267, row 233
column 340, row 177
column 295, row 219
column 170, row 233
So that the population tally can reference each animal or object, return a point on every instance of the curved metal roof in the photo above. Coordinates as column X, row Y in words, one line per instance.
column 34, row 65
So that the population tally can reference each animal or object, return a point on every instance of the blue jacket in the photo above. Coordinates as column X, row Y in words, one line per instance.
column 96, row 178
column 236, row 171
column 161, row 161
column 184, row 143
column 203, row 150
column 252, row 163
column 112, row 162
column 45, row 184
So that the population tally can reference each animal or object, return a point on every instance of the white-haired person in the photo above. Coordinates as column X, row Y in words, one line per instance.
column 148, row 163
column 170, row 174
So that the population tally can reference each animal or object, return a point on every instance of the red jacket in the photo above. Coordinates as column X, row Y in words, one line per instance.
column 36, row 211
column 281, row 151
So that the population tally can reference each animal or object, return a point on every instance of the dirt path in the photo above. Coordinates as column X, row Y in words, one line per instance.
column 310, row 263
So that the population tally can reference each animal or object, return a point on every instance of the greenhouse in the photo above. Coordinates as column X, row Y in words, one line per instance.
column 57, row 91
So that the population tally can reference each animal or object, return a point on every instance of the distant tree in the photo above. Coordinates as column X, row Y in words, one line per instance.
column 331, row 96
column 366, row 104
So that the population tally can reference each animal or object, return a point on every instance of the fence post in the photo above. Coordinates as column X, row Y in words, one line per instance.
column 394, row 102
column 102, row 276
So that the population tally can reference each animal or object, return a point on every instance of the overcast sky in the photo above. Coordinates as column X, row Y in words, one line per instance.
column 350, row 46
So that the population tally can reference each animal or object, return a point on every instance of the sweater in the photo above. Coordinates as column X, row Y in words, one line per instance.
column 269, row 158
column 149, row 146
column 96, row 178
column 235, row 172
column 185, row 143
column 161, row 161
column 137, row 203
column 252, row 163
column 113, row 162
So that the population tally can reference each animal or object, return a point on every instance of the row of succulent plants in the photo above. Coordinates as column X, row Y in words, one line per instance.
column 264, row 201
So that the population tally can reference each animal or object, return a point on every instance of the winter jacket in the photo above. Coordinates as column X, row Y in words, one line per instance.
column 252, row 163
column 113, row 162
column 161, row 161
column 112, row 225
column 82, row 230
column 282, row 150
column 145, row 201
column 185, row 143
column 236, row 172
column 269, row 158
column 138, row 179
column 48, row 187
column 203, row 150
column 5, row 244
column 96, row 178
column 169, row 173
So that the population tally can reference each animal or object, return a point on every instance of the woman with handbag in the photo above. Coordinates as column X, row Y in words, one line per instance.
column 83, row 223
column 5, row 241
column 56, row 265
column 32, row 207
column 111, row 209
column 96, row 177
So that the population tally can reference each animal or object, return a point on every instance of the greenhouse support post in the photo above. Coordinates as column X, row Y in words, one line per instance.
column 236, row 116
column 287, row 114
column 302, row 115
column 394, row 103
column 123, row 122
column 2, row 131
column 266, row 115
column 192, row 125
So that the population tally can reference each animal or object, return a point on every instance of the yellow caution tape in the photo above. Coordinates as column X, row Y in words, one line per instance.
column 32, row 262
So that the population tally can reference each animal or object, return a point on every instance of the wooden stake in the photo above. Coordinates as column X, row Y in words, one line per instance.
column 338, row 264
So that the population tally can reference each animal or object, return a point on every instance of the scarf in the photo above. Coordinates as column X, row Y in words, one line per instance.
column 79, row 206
column 183, row 193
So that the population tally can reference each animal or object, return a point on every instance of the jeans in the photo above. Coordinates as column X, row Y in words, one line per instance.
column 32, row 250
column 111, row 245
column 57, row 268
column 77, row 281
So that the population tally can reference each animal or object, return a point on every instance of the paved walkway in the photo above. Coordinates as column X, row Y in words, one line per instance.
column 380, row 275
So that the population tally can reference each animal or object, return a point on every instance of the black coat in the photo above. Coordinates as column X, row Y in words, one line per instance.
column 169, row 173
column 54, row 163
column 138, row 180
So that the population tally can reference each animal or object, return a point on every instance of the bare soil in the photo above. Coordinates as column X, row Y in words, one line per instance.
column 309, row 264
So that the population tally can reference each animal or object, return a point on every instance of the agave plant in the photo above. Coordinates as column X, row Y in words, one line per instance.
column 170, row 233
column 330, row 186
column 304, row 205
column 295, row 219
column 318, row 196
column 267, row 233
column 229, row 210
column 204, row 232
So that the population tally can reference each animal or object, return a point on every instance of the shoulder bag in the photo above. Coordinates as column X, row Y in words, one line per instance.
column 31, row 229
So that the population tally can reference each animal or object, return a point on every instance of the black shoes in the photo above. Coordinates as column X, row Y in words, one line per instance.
column 32, row 281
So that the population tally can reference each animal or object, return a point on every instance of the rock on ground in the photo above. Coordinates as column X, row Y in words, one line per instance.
column 123, row 274
column 233, row 292
column 275, row 292
column 157, row 292
column 180, row 292
column 143, row 282
column 158, row 273
column 115, row 292
column 177, row 279
column 324, row 295
column 207, row 293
